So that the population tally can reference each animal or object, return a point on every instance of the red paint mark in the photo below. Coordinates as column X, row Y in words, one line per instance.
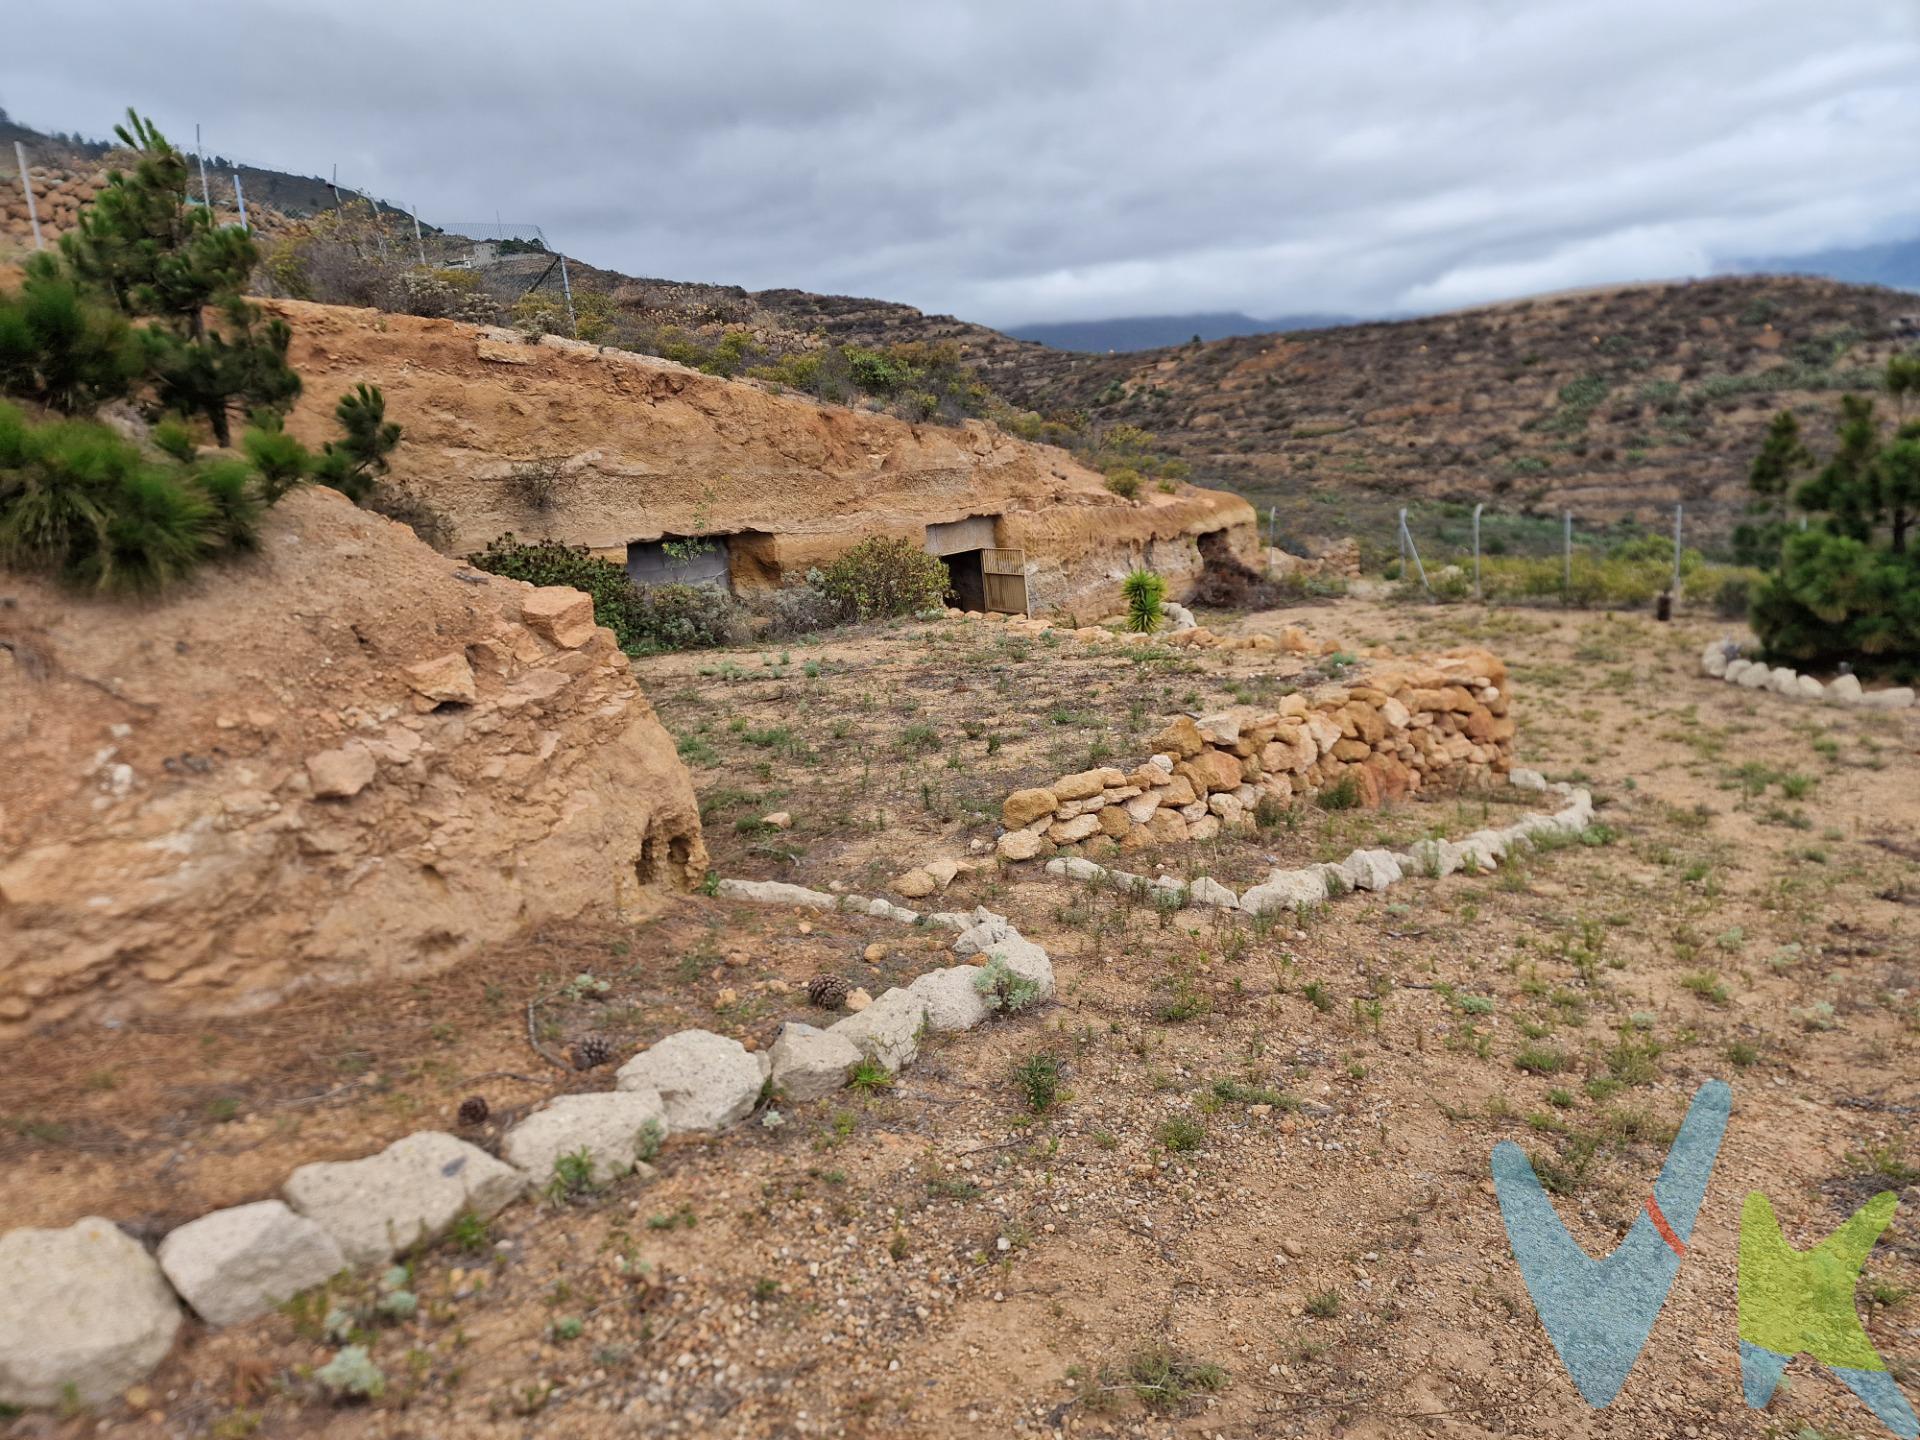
column 1678, row 1245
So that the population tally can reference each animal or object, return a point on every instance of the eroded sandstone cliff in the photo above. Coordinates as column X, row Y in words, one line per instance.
column 344, row 756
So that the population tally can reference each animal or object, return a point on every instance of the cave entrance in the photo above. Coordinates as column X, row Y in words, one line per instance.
column 681, row 560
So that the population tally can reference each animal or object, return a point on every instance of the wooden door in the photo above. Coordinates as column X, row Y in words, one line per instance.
column 1005, row 573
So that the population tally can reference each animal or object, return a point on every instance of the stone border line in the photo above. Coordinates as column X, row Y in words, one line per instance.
column 86, row 1312
column 1722, row 660
column 1363, row 869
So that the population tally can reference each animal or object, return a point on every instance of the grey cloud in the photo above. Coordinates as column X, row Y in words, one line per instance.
column 1011, row 161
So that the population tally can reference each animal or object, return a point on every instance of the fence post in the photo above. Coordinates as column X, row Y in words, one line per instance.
column 1409, row 548
column 206, row 192
column 1678, row 512
column 1566, row 545
column 1478, row 594
column 566, row 286
column 26, row 184
column 419, row 244
column 240, row 199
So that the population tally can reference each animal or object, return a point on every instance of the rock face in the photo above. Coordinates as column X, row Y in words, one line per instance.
column 649, row 448
column 232, row 1265
column 618, row 1130
column 410, row 1192
column 705, row 1081
column 84, row 1307
column 312, row 795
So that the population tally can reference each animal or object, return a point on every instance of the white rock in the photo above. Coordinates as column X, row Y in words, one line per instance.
column 1527, row 780
column 232, row 1265
column 1482, row 850
column 1755, row 677
column 1812, row 689
column 1434, row 858
column 1140, row 809
column 1074, row 868
column 85, row 1307
column 1894, row 699
column 1736, row 667
column 952, row 1000
column 1028, row 961
column 706, row 1081
column 1161, row 762
column 408, row 1194
column 1371, row 869
column 1714, row 662
column 810, row 1064
column 887, row 1031
column 1205, row 828
column 618, row 1129
column 1844, row 690
column 776, row 892
column 1783, row 681
column 1286, row 890
column 1227, row 807
column 1208, row 891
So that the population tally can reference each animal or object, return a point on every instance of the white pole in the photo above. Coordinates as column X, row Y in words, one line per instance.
column 1406, row 539
column 565, row 285
column 1566, row 583
column 206, row 194
column 1477, row 592
column 26, row 184
column 1678, row 512
column 1403, row 544
column 419, row 244
column 240, row 199
column 334, row 184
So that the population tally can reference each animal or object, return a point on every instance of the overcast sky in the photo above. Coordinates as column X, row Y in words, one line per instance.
column 1021, row 160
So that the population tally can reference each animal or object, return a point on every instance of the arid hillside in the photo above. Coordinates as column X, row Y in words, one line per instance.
column 1616, row 402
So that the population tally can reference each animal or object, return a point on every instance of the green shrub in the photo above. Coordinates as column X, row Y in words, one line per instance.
column 1144, row 592
column 62, row 347
column 1125, row 482
column 882, row 577
column 644, row 619
column 84, row 504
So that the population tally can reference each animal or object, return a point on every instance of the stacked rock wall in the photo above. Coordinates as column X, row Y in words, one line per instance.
column 1404, row 725
column 58, row 194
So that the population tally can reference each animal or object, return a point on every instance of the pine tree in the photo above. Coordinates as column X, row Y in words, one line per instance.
column 1757, row 540
column 156, row 255
column 354, row 464
column 1847, row 487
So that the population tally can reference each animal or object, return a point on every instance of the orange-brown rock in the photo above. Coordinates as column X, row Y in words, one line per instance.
column 248, row 799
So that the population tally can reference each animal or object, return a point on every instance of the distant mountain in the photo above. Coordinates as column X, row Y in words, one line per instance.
column 1895, row 264
column 1155, row 332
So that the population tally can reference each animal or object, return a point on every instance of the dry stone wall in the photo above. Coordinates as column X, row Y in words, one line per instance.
column 1404, row 725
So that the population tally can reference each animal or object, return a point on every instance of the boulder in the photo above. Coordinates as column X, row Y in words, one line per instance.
column 1755, row 677
column 1527, row 780
column 1215, row 770
column 1714, row 662
column 618, row 1129
column 1811, row 689
column 84, row 1313
column 1208, row 891
column 408, row 1194
column 1898, row 698
column 1086, row 784
column 559, row 613
column 342, row 773
column 705, row 1081
column 231, row 1265
column 1181, row 740
column 1371, row 869
column 1286, row 890
column 1023, row 807
column 444, row 679
column 1844, row 689
column 1783, row 681
column 778, row 820
column 811, row 1064
column 778, row 892
column 952, row 1000
column 1019, row 845
column 1205, row 828
column 1066, row 832
column 915, row 884
column 887, row 1031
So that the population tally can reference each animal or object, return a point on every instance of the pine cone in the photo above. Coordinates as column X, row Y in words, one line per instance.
column 474, row 1110
column 829, row 992
column 591, row 1052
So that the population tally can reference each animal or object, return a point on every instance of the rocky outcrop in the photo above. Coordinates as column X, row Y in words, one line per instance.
column 638, row 448
column 345, row 756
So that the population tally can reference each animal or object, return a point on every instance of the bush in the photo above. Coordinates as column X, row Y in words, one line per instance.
column 1125, row 482
column 644, row 619
column 83, row 503
column 882, row 577
column 61, row 347
column 801, row 610
column 1144, row 592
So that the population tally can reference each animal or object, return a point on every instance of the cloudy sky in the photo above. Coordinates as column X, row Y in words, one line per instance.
column 1020, row 160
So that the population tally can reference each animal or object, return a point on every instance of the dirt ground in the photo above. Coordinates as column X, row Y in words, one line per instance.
column 1257, row 1201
